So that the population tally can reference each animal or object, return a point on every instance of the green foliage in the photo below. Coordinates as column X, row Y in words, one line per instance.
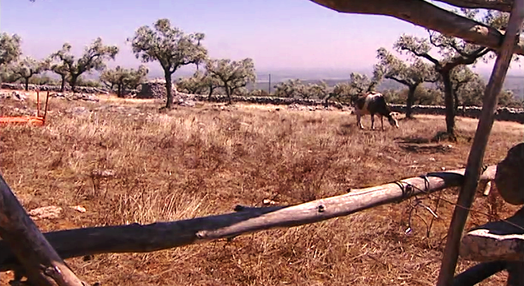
column 287, row 88
column 259, row 92
column 27, row 67
column 42, row 80
column 391, row 67
column 342, row 92
column 170, row 46
column 93, row 58
column 62, row 70
column 7, row 75
column 123, row 79
column 9, row 48
column 360, row 83
column 89, row 83
column 317, row 90
column 196, row 84
column 232, row 75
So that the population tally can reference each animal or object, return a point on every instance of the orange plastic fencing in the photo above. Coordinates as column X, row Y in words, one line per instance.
column 38, row 120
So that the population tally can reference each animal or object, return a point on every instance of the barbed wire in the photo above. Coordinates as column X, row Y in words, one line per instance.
column 409, row 189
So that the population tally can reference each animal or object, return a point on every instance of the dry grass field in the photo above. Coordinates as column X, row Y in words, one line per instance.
column 203, row 160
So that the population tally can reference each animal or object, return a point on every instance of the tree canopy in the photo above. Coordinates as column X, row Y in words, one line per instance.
column 94, row 57
column 9, row 48
column 27, row 67
column 61, row 69
column 195, row 84
column 391, row 67
column 170, row 46
column 287, row 88
column 232, row 75
column 123, row 79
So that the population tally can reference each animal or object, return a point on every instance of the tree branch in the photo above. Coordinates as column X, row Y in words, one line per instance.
column 164, row 235
column 500, row 5
column 426, row 15
column 478, row 148
column 404, row 82
column 40, row 261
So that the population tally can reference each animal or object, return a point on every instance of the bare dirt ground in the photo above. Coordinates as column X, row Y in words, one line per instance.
column 203, row 160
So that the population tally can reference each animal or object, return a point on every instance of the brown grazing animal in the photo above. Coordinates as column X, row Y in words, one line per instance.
column 373, row 103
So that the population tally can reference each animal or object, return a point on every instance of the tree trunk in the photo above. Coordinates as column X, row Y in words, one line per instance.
column 410, row 101
column 457, row 102
column 448, row 101
column 326, row 100
column 228, row 93
column 211, row 89
column 169, row 89
column 62, row 84
column 119, row 92
column 26, row 86
column 74, row 79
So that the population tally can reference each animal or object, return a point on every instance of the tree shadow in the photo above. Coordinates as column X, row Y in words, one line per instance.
column 425, row 148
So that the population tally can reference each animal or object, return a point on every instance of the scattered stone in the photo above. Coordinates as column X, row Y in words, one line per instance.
column 49, row 212
column 155, row 88
column 78, row 110
column 268, row 202
column 80, row 209
column 103, row 173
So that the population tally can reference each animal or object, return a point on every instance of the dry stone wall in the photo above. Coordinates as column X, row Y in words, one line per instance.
column 503, row 114
column 81, row 89
column 156, row 89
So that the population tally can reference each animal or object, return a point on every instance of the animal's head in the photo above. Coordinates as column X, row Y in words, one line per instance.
column 392, row 120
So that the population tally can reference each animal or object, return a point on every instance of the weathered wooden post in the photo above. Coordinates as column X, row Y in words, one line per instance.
column 503, row 240
column 476, row 155
column 41, row 263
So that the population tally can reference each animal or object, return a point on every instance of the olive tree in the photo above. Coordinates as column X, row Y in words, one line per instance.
column 26, row 68
column 232, row 75
column 413, row 75
column 62, row 70
column 93, row 58
column 171, row 47
column 199, row 83
column 287, row 88
column 453, row 52
column 9, row 48
column 123, row 79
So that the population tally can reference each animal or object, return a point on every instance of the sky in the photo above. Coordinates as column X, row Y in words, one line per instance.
column 279, row 35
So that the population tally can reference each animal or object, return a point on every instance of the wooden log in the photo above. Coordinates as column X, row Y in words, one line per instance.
column 164, row 235
column 478, row 273
column 478, row 148
column 499, row 240
column 510, row 176
column 427, row 15
column 41, row 263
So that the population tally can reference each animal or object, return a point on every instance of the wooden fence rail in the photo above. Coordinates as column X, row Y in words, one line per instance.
column 164, row 235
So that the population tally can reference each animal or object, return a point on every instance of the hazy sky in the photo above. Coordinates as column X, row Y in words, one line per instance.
column 277, row 34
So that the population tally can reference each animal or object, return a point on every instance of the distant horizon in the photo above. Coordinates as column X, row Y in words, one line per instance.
column 293, row 38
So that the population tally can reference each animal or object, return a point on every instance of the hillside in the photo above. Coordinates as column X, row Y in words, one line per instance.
column 513, row 83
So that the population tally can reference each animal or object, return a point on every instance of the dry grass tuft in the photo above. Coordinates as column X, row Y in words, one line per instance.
column 126, row 162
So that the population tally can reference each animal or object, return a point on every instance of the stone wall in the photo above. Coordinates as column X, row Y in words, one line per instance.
column 269, row 100
column 81, row 89
column 154, row 89
column 503, row 114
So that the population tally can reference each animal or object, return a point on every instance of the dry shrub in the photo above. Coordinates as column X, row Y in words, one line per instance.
column 204, row 160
